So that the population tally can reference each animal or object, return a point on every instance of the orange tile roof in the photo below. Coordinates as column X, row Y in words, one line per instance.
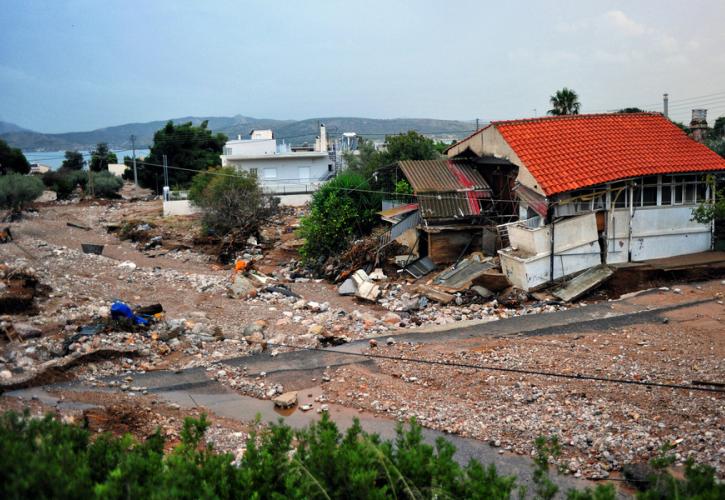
column 571, row 152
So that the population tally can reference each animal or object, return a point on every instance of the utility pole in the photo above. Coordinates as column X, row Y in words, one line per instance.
column 166, row 180
column 133, row 146
column 665, row 103
column 476, row 123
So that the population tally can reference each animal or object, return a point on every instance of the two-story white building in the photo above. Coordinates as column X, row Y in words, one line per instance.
column 279, row 169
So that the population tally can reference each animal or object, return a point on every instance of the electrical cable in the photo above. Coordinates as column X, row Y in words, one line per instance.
column 521, row 371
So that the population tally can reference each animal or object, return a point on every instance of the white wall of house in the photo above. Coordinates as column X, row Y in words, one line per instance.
column 250, row 147
column 527, row 263
column 292, row 172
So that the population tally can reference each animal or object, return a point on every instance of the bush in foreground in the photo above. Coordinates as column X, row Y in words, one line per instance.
column 18, row 191
column 48, row 459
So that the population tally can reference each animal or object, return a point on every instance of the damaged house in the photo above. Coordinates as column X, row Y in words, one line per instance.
column 456, row 208
column 596, row 189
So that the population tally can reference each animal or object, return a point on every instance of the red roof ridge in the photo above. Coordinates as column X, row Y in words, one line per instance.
column 570, row 117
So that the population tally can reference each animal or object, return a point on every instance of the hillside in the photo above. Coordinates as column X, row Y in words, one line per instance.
column 296, row 132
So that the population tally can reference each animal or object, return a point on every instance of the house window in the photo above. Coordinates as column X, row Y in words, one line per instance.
column 690, row 189
column 666, row 197
column 270, row 173
column 618, row 194
column 227, row 151
column 702, row 190
column 649, row 191
column 253, row 171
column 677, row 188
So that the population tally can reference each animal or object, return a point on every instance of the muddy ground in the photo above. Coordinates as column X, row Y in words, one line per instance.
column 602, row 426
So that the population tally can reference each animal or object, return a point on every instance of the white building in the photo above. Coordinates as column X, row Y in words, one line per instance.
column 279, row 169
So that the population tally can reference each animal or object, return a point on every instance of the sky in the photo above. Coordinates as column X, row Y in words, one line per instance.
column 71, row 65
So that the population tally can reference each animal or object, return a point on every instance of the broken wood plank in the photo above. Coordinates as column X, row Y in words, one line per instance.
column 436, row 295
column 78, row 226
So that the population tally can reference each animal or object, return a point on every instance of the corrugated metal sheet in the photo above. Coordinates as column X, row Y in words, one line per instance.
column 446, row 188
column 409, row 222
column 447, row 206
column 436, row 176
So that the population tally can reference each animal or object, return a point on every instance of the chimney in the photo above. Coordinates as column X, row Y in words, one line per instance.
column 323, row 138
column 666, row 104
column 698, row 125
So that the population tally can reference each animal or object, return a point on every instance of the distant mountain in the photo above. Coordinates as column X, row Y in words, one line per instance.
column 6, row 127
column 296, row 132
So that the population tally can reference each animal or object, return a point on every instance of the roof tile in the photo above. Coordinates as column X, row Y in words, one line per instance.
column 564, row 153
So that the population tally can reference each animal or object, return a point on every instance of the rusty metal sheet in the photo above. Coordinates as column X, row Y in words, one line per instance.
column 394, row 214
column 435, row 176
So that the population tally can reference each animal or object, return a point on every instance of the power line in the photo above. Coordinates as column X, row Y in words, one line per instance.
column 521, row 371
column 339, row 188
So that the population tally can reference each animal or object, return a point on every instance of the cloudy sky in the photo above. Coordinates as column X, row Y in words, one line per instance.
column 80, row 64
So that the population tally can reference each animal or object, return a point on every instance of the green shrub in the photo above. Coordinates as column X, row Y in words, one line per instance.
column 18, row 191
column 343, row 209
column 45, row 458
column 231, row 201
column 64, row 181
column 105, row 185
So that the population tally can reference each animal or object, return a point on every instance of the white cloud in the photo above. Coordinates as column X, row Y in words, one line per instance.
column 625, row 24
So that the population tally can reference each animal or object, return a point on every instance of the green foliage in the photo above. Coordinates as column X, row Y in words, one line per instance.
column 441, row 146
column 231, row 201
column 564, row 102
column 717, row 133
column 60, row 181
column 408, row 146
column 187, row 147
column 708, row 211
column 73, row 161
column 546, row 448
column 630, row 110
column 403, row 187
column 105, row 185
column 12, row 160
column 18, row 191
column 699, row 481
column 341, row 210
column 101, row 157
column 44, row 458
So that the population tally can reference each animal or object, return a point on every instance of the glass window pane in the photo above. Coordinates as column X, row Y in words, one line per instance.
column 690, row 193
column 666, row 194
column 650, row 195
column 701, row 191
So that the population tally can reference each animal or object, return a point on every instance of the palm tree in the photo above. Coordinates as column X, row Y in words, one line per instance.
column 564, row 102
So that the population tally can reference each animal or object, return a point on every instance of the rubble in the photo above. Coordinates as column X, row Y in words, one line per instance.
column 601, row 426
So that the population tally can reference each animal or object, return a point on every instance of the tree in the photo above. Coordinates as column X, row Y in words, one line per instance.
column 73, row 161
column 408, row 146
column 630, row 110
column 101, row 157
column 105, row 184
column 341, row 210
column 564, row 102
column 12, row 160
column 18, row 191
column 718, row 129
column 231, row 202
column 188, row 149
